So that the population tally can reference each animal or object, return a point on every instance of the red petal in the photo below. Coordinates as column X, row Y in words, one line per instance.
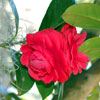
column 33, row 74
column 25, row 48
column 67, row 28
column 55, row 78
column 62, row 75
column 25, row 58
column 41, row 61
column 80, row 70
column 82, row 57
column 47, row 78
column 29, row 38
column 79, row 38
column 42, row 73
column 82, row 65
column 48, row 38
column 75, row 71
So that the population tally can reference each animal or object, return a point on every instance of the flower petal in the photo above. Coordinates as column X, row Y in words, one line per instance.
column 82, row 57
column 29, row 38
column 33, row 74
column 79, row 38
column 47, row 78
column 25, row 58
column 25, row 48
column 65, row 30
column 75, row 70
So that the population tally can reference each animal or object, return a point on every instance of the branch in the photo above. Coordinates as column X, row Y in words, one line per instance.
column 78, row 87
column 13, row 43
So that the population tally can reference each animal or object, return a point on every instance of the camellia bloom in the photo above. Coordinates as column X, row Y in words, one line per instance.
column 52, row 56
column 76, row 60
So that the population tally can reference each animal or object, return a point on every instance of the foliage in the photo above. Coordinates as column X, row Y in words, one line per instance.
column 45, row 90
column 23, row 81
column 91, row 47
column 59, row 12
column 14, row 10
column 54, row 12
column 88, row 16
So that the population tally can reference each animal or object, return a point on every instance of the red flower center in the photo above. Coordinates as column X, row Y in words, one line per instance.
column 37, row 63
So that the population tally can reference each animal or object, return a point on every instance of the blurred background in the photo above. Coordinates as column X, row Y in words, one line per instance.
column 31, row 13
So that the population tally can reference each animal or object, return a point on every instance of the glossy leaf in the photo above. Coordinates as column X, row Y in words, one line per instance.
column 83, row 15
column 12, row 96
column 14, row 10
column 91, row 47
column 23, row 81
column 53, row 15
column 45, row 89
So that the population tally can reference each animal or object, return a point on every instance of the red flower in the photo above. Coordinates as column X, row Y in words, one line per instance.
column 76, row 60
column 52, row 56
column 45, row 56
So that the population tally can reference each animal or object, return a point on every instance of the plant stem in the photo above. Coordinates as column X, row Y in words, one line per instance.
column 11, row 44
column 18, row 42
column 60, row 94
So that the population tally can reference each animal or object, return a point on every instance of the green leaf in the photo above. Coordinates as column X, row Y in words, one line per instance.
column 45, row 89
column 91, row 47
column 14, row 10
column 53, row 15
column 83, row 15
column 12, row 96
column 23, row 81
